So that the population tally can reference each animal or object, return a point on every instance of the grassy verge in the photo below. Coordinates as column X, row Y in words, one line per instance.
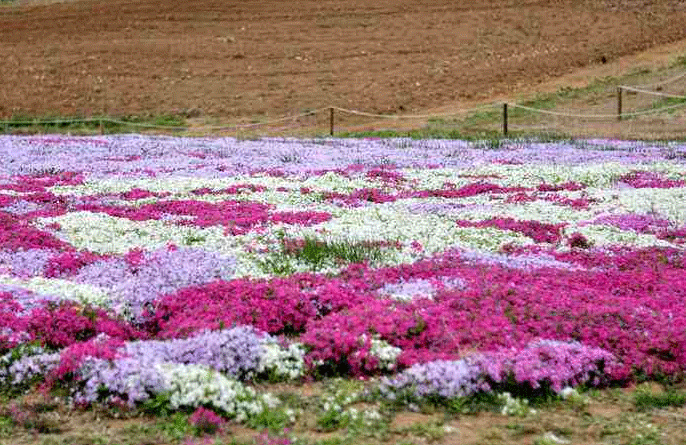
column 21, row 124
column 337, row 411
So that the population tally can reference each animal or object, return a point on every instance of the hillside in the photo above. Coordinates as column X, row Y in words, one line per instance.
column 250, row 59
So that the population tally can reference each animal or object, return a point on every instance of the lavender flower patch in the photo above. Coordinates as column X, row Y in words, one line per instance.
column 420, row 288
column 137, row 281
column 26, row 363
column 136, row 381
column 132, row 379
column 25, row 263
column 542, row 364
column 549, row 364
column 441, row 378
column 640, row 223
column 241, row 352
column 27, row 299
column 144, row 370
column 236, row 352
column 516, row 261
column 21, row 207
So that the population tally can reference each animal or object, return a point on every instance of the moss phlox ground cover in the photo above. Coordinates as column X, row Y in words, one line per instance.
column 165, row 272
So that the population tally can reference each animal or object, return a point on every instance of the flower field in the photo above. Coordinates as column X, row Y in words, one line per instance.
column 174, row 273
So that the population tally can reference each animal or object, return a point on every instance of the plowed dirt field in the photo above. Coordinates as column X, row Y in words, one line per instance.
column 253, row 58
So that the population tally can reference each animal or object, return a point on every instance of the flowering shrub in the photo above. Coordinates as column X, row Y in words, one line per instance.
column 436, row 379
column 206, row 421
column 547, row 364
column 646, row 179
column 192, row 386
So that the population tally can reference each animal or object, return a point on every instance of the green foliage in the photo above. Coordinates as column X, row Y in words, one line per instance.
column 316, row 252
column 157, row 405
column 432, row 431
column 665, row 102
column 175, row 425
column 680, row 61
column 26, row 124
column 334, row 409
column 331, row 420
column 276, row 264
column 487, row 401
column 273, row 419
column 430, row 132
column 6, row 426
column 191, row 239
column 645, row 400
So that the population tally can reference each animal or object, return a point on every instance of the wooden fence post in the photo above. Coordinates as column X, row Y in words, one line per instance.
column 619, row 103
column 331, row 121
column 505, row 119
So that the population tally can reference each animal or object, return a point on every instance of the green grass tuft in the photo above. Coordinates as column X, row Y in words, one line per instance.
column 317, row 254
column 645, row 400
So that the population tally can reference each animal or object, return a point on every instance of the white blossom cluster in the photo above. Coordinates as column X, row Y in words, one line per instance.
column 65, row 289
column 282, row 362
column 512, row 406
column 193, row 386
column 385, row 353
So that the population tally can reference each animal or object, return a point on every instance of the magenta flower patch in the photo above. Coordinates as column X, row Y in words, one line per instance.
column 541, row 233
column 646, row 179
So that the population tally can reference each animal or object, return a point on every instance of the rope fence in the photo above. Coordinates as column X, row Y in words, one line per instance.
column 513, row 116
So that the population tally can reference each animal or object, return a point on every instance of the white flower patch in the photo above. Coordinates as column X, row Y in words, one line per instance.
column 385, row 353
column 283, row 362
column 668, row 203
column 193, row 386
column 512, row 406
column 605, row 235
column 176, row 185
column 434, row 179
column 287, row 200
column 531, row 175
column 20, row 207
column 101, row 233
column 539, row 210
column 393, row 222
column 68, row 290
column 333, row 182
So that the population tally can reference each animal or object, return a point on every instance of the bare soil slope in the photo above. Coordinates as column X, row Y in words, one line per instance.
column 272, row 57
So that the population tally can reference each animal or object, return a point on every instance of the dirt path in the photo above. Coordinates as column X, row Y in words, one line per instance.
column 259, row 58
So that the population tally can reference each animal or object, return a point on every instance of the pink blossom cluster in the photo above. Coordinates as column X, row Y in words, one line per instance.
column 449, row 191
column 238, row 217
column 581, row 203
column 206, row 421
column 58, row 325
column 647, row 179
column 539, row 232
column 18, row 234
